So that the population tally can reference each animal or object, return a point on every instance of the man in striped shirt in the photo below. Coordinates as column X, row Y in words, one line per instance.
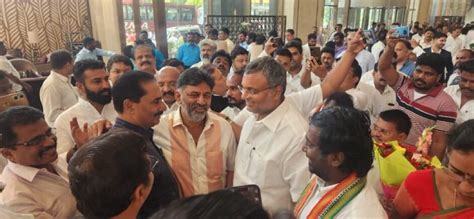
column 421, row 97
column 198, row 144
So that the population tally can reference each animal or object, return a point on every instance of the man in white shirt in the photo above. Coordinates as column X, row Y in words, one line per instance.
column 224, row 36
column 95, row 103
column 145, row 59
column 234, row 95
column 36, row 179
column 57, row 93
column 339, row 148
column 463, row 94
column 89, row 51
column 167, row 78
column 378, row 47
column 454, row 42
column 427, row 38
column 208, row 48
column 269, row 153
column 13, row 75
column 379, row 83
column 311, row 43
column 365, row 58
column 293, row 76
column 461, row 56
column 198, row 144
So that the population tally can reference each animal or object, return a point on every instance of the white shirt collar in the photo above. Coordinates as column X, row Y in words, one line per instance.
column 272, row 120
column 29, row 173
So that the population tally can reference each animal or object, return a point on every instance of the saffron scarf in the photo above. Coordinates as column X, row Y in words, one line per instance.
column 334, row 200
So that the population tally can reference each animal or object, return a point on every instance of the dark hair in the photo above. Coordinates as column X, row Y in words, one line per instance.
column 381, row 35
column 339, row 34
column 397, row 117
column 432, row 60
column 406, row 43
column 356, row 70
column 84, row 65
column 252, row 36
column 271, row 69
column 195, row 76
column 60, row 58
column 222, row 53
column 101, row 181
column 129, row 86
column 467, row 66
column 331, row 45
column 438, row 35
column 291, row 31
column 341, row 99
column 273, row 33
column 260, row 39
column 471, row 52
column 12, row 117
column 219, row 205
column 144, row 31
column 173, row 62
column 294, row 44
column 238, row 50
column 225, row 30
column 312, row 36
column 87, row 41
column 118, row 59
column 328, row 50
column 213, row 32
column 128, row 51
column 298, row 39
column 460, row 137
column 243, row 32
column 283, row 52
column 346, row 130
column 430, row 29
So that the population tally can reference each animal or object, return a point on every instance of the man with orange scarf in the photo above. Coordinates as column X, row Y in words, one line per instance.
column 339, row 148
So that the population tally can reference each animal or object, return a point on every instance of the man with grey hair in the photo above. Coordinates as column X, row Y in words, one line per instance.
column 199, row 145
column 145, row 59
column 269, row 151
column 208, row 48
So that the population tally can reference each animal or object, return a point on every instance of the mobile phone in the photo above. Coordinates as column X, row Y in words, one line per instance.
column 250, row 192
column 401, row 32
column 316, row 53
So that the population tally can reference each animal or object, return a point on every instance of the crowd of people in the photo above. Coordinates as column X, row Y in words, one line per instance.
column 264, row 127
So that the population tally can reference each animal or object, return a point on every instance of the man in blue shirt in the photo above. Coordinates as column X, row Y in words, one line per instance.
column 89, row 51
column 189, row 53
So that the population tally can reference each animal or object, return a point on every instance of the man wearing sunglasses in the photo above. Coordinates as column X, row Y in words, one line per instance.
column 36, row 180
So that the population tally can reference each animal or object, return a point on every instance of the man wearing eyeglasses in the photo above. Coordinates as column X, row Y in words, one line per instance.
column 269, row 151
column 36, row 180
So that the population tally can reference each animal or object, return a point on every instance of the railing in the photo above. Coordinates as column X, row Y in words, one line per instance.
column 256, row 24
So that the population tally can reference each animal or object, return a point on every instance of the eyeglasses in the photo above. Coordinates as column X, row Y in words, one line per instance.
column 459, row 175
column 253, row 91
column 39, row 139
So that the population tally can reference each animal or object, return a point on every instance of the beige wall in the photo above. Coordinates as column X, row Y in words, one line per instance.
column 105, row 26
column 305, row 17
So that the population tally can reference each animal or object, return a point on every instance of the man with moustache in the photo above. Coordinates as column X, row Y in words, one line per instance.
column 93, row 84
column 199, row 145
column 463, row 94
column 222, row 60
column 421, row 97
column 138, row 101
column 461, row 56
column 167, row 78
column 145, row 59
column 208, row 48
column 234, row 96
column 36, row 179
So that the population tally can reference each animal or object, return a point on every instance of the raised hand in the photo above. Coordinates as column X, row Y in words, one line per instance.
column 391, row 41
column 269, row 46
column 318, row 69
column 80, row 136
column 355, row 43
